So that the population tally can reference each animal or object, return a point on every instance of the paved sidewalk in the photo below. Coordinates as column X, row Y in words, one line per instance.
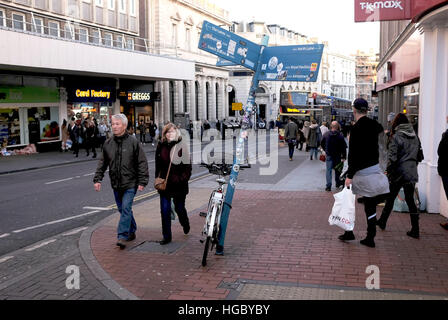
column 279, row 245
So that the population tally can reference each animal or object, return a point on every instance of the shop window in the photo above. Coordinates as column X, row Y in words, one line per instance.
column 43, row 124
column 9, row 127
column 18, row 21
column 96, row 36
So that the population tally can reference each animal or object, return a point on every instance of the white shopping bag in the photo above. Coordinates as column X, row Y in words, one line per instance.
column 343, row 212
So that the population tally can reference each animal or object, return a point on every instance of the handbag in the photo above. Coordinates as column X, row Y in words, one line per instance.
column 343, row 212
column 322, row 157
column 159, row 183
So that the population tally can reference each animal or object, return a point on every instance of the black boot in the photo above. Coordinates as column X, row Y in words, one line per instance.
column 348, row 235
column 371, row 232
column 415, row 230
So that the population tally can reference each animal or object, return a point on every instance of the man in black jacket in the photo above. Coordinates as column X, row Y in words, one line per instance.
column 364, row 154
column 333, row 143
column 442, row 167
column 128, row 172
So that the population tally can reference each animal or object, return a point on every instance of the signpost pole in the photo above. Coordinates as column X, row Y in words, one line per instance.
column 249, row 108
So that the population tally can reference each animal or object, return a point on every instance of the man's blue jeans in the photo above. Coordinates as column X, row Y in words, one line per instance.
column 331, row 163
column 165, row 210
column 124, row 200
column 313, row 150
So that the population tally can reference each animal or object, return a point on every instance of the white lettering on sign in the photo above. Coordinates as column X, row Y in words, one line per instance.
column 142, row 96
column 371, row 6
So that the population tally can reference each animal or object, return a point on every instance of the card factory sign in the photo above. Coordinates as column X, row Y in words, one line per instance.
column 79, row 94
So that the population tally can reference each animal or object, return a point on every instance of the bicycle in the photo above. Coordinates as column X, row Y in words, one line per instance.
column 215, row 205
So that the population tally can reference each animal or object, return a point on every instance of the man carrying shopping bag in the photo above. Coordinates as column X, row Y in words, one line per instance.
column 343, row 212
column 364, row 173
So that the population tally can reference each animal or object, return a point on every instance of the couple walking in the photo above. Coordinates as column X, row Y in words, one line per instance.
column 128, row 171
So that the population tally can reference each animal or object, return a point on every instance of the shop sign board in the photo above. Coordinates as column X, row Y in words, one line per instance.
column 229, row 46
column 237, row 106
column 28, row 95
column 139, row 96
column 384, row 10
column 291, row 63
column 81, row 94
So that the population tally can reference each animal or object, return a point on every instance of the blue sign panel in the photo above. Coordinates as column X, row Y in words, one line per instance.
column 225, row 63
column 229, row 46
column 291, row 63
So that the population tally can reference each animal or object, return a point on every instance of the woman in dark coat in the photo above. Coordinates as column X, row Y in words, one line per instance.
column 403, row 158
column 172, row 147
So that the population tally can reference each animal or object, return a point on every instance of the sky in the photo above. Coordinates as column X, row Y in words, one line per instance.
column 328, row 20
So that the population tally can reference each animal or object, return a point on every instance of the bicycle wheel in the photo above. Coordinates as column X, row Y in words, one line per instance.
column 204, row 257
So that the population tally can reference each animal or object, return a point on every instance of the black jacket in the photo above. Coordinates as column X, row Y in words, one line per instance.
column 363, row 145
column 180, row 172
column 403, row 154
column 128, row 167
column 333, row 143
column 442, row 151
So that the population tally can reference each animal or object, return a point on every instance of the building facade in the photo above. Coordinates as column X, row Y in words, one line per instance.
column 60, row 59
column 175, row 27
column 366, row 63
column 413, row 78
column 342, row 75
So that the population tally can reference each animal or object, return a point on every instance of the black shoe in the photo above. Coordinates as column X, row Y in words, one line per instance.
column 131, row 237
column 311, row 158
column 360, row 200
column 163, row 242
column 94, row 156
column 328, row 189
column 186, row 229
column 121, row 244
column 347, row 236
column 219, row 250
column 76, row 156
column 368, row 242
column 413, row 234
column 381, row 224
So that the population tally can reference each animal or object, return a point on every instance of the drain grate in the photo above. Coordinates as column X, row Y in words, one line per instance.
column 154, row 246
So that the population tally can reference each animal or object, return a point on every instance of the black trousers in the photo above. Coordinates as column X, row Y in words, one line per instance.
column 409, row 189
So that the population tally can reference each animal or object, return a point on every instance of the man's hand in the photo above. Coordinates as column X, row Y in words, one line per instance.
column 348, row 182
column 140, row 188
column 97, row 186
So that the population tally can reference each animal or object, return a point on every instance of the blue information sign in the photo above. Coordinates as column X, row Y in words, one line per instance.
column 229, row 46
column 291, row 63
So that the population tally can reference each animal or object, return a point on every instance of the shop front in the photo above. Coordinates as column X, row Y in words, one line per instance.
column 92, row 102
column 138, row 105
column 28, row 115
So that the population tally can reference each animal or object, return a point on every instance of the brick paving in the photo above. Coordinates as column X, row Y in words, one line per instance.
column 281, row 237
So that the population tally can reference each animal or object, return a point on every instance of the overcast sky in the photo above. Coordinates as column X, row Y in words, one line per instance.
column 329, row 20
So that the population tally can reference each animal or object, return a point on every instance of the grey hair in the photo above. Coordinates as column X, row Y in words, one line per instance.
column 121, row 117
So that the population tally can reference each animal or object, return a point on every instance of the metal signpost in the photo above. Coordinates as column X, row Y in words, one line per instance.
column 286, row 63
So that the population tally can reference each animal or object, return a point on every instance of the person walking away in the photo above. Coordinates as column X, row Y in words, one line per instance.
column 142, row 129
column 65, row 135
column 128, row 172
column 442, row 166
column 90, row 134
column 323, row 128
column 333, row 143
column 300, row 138
column 403, row 158
column 291, row 132
column 103, row 130
column 172, row 150
column 313, row 139
column 364, row 174
column 152, row 131
column 77, row 137
column 306, row 130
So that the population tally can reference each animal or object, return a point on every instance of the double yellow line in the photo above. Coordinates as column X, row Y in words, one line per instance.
column 152, row 193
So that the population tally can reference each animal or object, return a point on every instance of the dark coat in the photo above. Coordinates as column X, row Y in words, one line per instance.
column 291, row 131
column 442, row 151
column 314, row 136
column 180, row 172
column 333, row 143
column 402, row 155
column 128, row 166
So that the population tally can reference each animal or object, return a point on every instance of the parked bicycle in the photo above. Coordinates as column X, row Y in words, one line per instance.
column 215, row 205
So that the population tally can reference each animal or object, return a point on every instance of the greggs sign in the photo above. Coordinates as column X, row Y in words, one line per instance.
column 383, row 10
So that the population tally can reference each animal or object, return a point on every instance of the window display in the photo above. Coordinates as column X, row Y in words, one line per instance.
column 9, row 127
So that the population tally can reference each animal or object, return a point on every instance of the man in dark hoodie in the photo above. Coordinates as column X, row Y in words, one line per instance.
column 333, row 143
